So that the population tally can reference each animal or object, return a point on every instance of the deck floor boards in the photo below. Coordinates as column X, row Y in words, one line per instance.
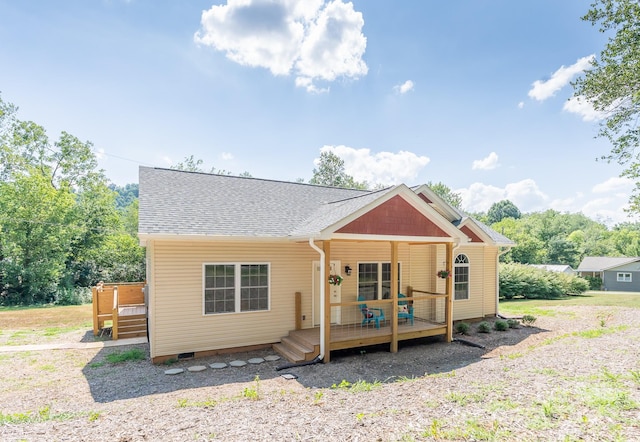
column 350, row 332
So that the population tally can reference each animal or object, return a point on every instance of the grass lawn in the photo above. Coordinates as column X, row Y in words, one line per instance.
column 540, row 306
column 28, row 325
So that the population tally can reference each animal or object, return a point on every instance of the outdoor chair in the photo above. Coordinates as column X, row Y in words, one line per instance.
column 405, row 311
column 370, row 314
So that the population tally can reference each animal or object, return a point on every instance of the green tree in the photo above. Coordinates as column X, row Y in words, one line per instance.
column 58, row 218
column 37, row 225
column 444, row 192
column 126, row 194
column 502, row 209
column 612, row 85
column 528, row 249
column 330, row 172
column 190, row 164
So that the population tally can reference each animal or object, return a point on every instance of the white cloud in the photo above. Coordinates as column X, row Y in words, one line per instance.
column 167, row 160
column 99, row 153
column 521, row 105
column 314, row 40
column 227, row 156
column 386, row 168
column 524, row 194
column 614, row 184
column 542, row 90
column 488, row 163
column 582, row 107
column 404, row 87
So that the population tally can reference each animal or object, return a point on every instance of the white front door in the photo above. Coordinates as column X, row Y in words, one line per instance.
column 334, row 292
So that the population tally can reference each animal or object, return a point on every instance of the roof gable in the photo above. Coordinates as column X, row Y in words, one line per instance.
column 471, row 234
column 394, row 217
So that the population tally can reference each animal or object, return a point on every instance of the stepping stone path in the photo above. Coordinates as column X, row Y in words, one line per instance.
column 218, row 365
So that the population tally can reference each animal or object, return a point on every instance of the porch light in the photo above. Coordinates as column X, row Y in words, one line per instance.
column 347, row 270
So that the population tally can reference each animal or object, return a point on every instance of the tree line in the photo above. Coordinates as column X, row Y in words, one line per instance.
column 63, row 228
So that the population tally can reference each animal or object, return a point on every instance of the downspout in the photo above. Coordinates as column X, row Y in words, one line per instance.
column 498, row 276
column 322, row 296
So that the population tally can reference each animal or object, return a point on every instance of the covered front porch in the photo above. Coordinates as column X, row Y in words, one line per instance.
column 350, row 314
column 428, row 318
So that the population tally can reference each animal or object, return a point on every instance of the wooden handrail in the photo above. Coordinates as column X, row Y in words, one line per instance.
column 114, row 320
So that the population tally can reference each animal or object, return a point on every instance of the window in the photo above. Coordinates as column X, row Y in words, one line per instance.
column 234, row 288
column 461, row 278
column 374, row 280
column 624, row 277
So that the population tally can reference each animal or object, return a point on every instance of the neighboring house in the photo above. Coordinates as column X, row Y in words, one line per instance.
column 239, row 263
column 617, row 274
column 558, row 268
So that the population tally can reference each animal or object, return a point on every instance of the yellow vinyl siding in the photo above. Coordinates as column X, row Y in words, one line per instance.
column 349, row 253
column 179, row 322
column 472, row 307
column 490, row 290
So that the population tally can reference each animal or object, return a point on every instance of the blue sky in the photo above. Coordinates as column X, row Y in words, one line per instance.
column 472, row 94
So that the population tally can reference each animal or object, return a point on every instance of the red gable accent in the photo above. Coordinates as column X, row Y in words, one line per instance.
column 394, row 217
column 424, row 198
column 467, row 231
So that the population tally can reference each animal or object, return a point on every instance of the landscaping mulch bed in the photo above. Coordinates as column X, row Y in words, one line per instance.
column 574, row 375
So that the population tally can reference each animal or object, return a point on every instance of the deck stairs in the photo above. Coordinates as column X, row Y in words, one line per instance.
column 132, row 322
column 297, row 347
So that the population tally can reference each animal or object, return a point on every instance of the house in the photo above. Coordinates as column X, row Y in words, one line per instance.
column 557, row 268
column 240, row 263
column 617, row 273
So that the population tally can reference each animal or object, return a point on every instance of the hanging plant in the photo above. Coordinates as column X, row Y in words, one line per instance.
column 444, row 274
column 335, row 279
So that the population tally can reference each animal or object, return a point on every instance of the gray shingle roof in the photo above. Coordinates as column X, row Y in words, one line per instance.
column 188, row 203
column 174, row 202
column 496, row 237
column 599, row 263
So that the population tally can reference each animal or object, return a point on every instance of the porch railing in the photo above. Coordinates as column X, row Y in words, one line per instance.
column 427, row 311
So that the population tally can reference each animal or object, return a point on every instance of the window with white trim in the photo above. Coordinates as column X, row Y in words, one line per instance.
column 236, row 288
column 461, row 278
column 374, row 280
column 624, row 277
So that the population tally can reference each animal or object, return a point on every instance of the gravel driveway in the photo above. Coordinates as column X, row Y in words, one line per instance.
column 567, row 378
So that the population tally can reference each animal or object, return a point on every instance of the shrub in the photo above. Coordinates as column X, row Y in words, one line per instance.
column 595, row 282
column 528, row 320
column 484, row 327
column 462, row 328
column 73, row 296
column 534, row 283
column 501, row 325
column 513, row 323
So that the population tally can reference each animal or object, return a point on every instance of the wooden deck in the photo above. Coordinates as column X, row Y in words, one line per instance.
column 122, row 304
column 307, row 341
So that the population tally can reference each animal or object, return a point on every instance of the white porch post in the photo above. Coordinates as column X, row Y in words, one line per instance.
column 326, row 245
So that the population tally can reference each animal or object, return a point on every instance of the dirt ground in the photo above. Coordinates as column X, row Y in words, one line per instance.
column 573, row 376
